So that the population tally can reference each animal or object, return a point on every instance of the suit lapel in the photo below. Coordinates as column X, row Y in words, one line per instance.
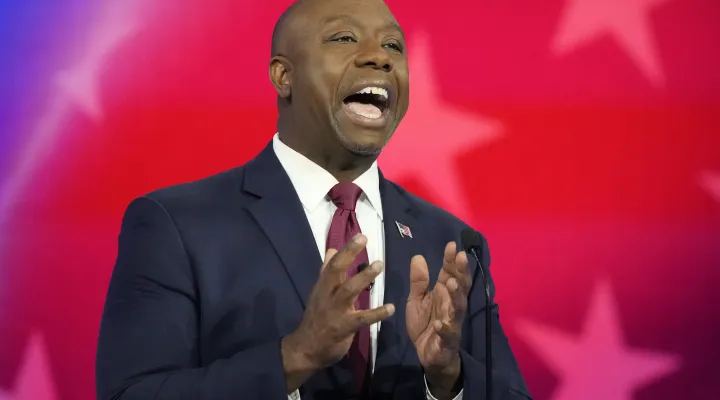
column 393, row 341
column 280, row 214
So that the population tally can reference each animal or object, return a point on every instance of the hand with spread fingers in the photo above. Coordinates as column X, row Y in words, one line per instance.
column 434, row 318
column 330, row 321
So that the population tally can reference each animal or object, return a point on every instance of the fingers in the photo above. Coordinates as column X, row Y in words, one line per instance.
column 450, row 253
column 451, row 308
column 449, row 335
column 350, row 290
column 360, row 319
column 337, row 265
column 458, row 302
column 462, row 272
column 329, row 254
column 419, row 278
column 450, row 303
column 441, row 302
column 455, row 266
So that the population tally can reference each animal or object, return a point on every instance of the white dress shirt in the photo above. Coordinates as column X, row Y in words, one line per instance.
column 312, row 184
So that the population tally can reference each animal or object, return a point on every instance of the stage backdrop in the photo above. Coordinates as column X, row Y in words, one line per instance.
column 581, row 136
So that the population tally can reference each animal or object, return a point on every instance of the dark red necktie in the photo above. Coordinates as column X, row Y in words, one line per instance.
column 343, row 227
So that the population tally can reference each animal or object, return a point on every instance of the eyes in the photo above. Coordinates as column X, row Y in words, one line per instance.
column 391, row 44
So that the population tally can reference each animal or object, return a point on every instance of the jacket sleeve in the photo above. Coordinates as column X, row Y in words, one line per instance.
column 149, row 333
column 508, row 383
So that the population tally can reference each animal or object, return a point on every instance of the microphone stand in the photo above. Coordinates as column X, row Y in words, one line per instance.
column 488, row 325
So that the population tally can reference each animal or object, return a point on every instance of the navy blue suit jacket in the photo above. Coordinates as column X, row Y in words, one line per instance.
column 210, row 275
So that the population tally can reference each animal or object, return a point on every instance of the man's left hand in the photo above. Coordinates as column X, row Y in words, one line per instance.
column 434, row 318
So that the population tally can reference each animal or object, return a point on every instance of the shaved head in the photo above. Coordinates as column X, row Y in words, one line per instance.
column 281, row 27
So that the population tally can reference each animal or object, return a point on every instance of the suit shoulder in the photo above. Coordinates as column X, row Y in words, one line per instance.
column 201, row 193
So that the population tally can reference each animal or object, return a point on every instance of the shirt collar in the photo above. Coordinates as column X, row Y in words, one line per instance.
column 312, row 182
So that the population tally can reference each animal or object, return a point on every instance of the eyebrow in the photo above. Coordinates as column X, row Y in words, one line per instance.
column 391, row 25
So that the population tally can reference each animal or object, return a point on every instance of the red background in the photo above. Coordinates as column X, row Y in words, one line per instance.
column 597, row 175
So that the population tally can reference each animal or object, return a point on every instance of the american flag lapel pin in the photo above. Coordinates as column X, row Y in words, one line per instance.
column 404, row 230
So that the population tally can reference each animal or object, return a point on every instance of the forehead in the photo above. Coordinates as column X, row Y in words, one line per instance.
column 367, row 12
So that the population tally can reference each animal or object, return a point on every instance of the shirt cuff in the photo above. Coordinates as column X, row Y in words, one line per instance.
column 294, row 395
column 431, row 397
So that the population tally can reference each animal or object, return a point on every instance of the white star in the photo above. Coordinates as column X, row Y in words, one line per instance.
column 432, row 134
column 626, row 21
column 34, row 379
column 78, row 87
column 596, row 364
column 711, row 182
column 80, row 83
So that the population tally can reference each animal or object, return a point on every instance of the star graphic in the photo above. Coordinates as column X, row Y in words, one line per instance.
column 711, row 182
column 596, row 364
column 432, row 133
column 78, row 87
column 626, row 21
column 34, row 379
column 80, row 83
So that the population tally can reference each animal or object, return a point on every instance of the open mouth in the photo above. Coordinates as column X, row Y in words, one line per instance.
column 370, row 102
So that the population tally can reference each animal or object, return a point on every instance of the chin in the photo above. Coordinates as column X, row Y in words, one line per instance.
column 361, row 140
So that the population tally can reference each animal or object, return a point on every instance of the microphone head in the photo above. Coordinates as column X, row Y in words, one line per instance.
column 470, row 239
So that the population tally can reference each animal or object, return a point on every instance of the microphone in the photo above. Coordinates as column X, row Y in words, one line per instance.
column 472, row 243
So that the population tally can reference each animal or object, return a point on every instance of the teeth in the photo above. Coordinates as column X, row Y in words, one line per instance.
column 374, row 90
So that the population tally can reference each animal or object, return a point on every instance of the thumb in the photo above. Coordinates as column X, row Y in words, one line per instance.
column 419, row 278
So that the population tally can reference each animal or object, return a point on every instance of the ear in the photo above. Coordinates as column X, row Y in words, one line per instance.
column 280, row 69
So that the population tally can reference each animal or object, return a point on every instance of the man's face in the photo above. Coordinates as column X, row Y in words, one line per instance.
column 351, row 72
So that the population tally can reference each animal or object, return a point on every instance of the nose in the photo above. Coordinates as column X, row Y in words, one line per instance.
column 375, row 57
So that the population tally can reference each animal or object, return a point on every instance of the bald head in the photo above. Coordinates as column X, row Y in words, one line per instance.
column 281, row 29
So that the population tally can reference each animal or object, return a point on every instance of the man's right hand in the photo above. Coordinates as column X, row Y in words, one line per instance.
column 330, row 321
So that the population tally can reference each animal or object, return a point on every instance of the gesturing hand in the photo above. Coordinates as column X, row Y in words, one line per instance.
column 434, row 318
column 330, row 321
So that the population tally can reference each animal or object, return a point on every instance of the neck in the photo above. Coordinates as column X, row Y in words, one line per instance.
column 331, row 155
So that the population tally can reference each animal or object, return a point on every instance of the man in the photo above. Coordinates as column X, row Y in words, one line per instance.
column 221, row 291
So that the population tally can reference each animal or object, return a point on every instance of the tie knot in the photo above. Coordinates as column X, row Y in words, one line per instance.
column 345, row 195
